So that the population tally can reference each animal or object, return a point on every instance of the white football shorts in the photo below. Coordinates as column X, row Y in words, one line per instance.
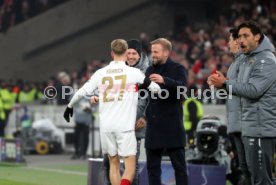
column 122, row 143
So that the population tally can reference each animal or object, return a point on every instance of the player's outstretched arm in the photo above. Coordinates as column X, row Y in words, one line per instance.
column 85, row 90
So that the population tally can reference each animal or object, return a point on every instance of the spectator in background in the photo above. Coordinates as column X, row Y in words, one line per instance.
column 2, row 119
column 233, row 106
column 144, row 38
column 27, row 94
column 193, row 112
column 25, row 9
column 51, row 82
column 18, row 86
column 17, row 7
column 8, row 100
column 7, row 18
column 40, row 92
column 75, row 80
column 83, row 119
column 63, row 95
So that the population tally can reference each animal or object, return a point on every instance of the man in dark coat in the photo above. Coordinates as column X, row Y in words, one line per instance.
column 165, row 130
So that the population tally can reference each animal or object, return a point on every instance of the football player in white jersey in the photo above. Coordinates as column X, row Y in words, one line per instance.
column 118, row 97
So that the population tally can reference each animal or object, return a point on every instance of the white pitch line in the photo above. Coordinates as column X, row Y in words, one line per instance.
column 58, row 171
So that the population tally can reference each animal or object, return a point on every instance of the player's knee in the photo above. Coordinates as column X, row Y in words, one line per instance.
column 114, row 160
column 130, row 163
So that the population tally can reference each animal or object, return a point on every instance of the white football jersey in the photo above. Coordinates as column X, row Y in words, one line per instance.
column 118, row 95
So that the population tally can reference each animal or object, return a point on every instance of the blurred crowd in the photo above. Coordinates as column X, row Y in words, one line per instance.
column 30, row 92
column 13, row 12
column 201, row 48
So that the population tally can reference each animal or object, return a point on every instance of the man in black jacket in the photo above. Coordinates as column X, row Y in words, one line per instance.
column 165, row 129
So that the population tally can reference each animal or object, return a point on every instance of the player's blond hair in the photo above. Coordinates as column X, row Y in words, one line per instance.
column 165, row 43
column 119, row 46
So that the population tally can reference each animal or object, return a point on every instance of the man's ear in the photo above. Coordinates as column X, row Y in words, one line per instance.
column 257, row 37
column 237, row 42
column 167, row 53
column 112, row 54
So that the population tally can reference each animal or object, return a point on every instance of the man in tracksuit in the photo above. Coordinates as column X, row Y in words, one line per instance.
column 256, row 85
column 233, row 106
column 140, row 62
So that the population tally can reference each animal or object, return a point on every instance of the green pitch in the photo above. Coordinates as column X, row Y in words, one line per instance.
column 44, row 175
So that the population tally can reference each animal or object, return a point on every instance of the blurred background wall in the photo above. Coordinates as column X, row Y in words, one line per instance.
column 76, row 31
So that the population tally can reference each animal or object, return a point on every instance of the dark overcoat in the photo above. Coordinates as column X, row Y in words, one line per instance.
column 165, row 115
